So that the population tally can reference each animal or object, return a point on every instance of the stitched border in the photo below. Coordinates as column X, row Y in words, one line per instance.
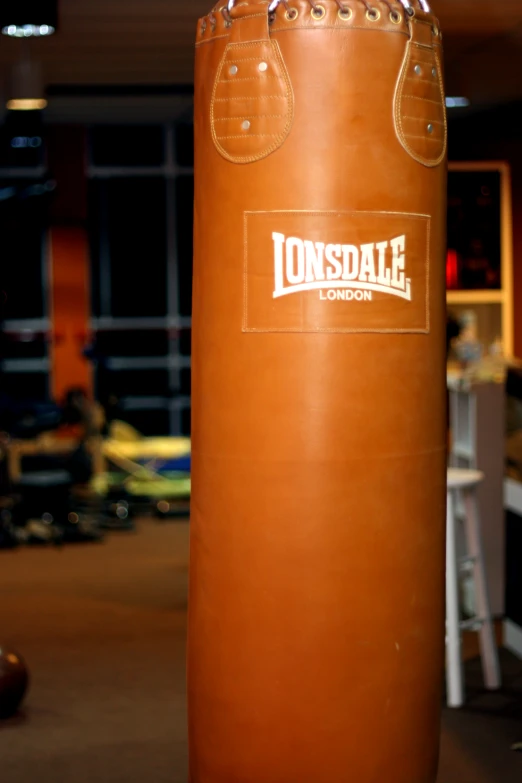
column 397, row 111
column 276, row 30
column 421, row 119
column 318, row 213
column 433, row 139
column 420, row 98
column 250, row 98
column 245, row 136
column 289, row 97
column 247, row 79
column 249, row 117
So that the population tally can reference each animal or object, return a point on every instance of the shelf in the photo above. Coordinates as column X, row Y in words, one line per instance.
column 475, row 297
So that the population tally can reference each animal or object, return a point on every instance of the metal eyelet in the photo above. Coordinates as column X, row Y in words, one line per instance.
column 318, row 11
column 291, row 15
column 203, row 27
column 345, row 14
column 395, row 17
column 373, row 14
column 435, row 30
column 225, row 13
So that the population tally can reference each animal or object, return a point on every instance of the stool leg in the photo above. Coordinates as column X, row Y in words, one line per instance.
column 454, row 676
column 488, row 646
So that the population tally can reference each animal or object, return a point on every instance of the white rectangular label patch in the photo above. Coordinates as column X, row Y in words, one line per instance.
column 336, row 272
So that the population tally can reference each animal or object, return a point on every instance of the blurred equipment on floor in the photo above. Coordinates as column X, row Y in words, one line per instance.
column 14, row 679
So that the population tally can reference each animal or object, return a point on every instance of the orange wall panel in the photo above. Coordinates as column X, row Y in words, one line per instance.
column 70, row 309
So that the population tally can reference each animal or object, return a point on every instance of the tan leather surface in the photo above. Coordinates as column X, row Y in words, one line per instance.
column 420, row 109
column 316, row 612
column 252, row 102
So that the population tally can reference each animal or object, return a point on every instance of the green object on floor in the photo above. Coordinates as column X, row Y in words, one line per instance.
column 145, row 484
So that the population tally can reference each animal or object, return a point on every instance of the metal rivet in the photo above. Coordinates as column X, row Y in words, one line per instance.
column 418, row 70
column 433, row 71
column 233, row 70
column 262, row 66
column 430, row 128
column 245, row 125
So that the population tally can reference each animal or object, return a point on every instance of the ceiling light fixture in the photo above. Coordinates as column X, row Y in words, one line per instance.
column 26, row 104
column 28, row 18
column 26, row 90
column 457, row 102
column 28, row 30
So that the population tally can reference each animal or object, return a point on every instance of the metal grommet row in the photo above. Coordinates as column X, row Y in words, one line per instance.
column 345, row 14
column 291, row 15
column 373, row 14
column 318, row 11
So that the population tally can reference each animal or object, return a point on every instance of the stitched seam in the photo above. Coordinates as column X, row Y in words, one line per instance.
column 377, row 330
column 251, row 16
column 244, row 59
column 247, row 79
column 249, row 98
column 214, row 38
column 247, row 44
column 306, row 27
column 334, row 212
column 247, row 136
column 421, row 119
column 428, row 240
column 443, row 104
column 250, row 117
column 338, row 27
column 437, row 139
column 420, row 98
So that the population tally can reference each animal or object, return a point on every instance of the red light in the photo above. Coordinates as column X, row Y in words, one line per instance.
column 452, row 270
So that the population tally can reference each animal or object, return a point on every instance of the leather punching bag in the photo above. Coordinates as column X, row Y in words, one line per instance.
column 316, row 609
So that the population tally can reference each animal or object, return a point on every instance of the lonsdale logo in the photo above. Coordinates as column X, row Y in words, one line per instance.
column 340, row 271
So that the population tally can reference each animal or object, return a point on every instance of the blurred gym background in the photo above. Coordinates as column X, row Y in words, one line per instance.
column 96, row 190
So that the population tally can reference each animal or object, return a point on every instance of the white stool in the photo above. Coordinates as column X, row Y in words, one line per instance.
column 461, row 488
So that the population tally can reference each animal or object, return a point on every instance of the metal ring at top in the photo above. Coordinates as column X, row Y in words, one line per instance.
column 411, row 10
column 408, row 7
column 272, row 7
